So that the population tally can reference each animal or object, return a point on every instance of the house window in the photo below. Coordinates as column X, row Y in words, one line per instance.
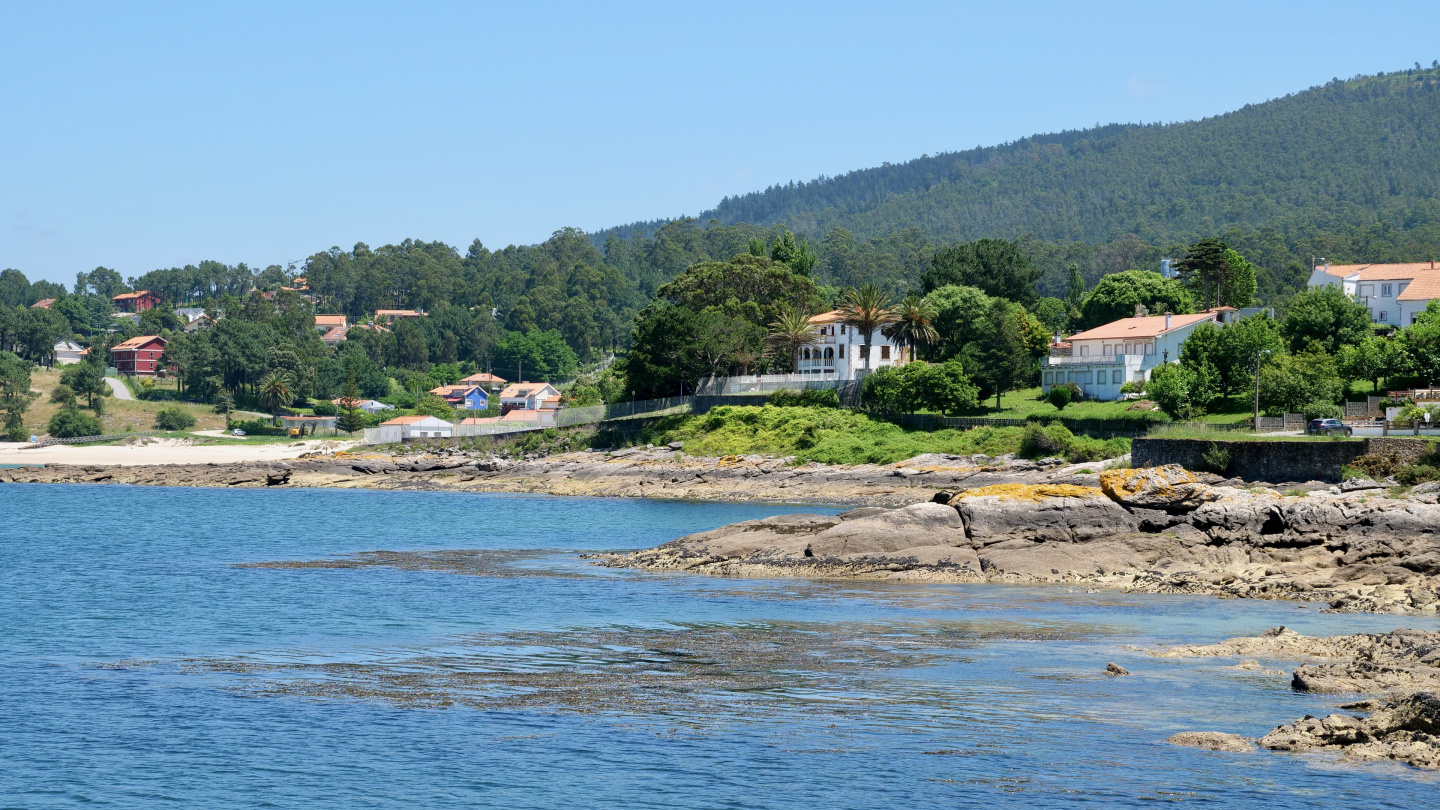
column 842, row 351
column 1107, row 350
column 842, row 329
column 1117, row 376
column 884, row 352
column 1384, row 290
column 1049, row 378
column 1382, row 315
column 1084, row 351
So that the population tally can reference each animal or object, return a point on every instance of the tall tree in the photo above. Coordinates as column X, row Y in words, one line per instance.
column 351, row 418
column 1116, row 296
column 790, row 333
column 997, row 266
column 1005, row 360
column 1326, row 317
column 15, row 395
column 914, row 323
column 866, row 310
column 1205, row 268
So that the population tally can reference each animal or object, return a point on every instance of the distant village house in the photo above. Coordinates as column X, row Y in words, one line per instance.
column 840, row 352
column 137, row 301
column 138, row 356
column 1393, row 293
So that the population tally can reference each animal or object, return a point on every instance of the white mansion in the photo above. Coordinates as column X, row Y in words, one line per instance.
column 840, row 352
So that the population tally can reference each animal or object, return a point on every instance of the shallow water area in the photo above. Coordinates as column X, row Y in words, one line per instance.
column 334, row 648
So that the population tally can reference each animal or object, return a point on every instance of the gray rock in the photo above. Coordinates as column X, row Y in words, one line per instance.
column 1357, row 484
column 1404, row 730
column 1212, row 741
column 1113, row 668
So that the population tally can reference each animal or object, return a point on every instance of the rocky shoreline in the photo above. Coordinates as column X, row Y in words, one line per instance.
column 1156, row 530
column 1401, row 668
column 657, row 472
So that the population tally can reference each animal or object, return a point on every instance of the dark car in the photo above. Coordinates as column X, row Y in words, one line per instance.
column 1328, row 427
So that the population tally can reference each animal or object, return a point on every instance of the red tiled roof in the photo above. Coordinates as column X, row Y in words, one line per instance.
column 1147, row 327
column 43, row 303
column 1382, row 272
column 128, row 296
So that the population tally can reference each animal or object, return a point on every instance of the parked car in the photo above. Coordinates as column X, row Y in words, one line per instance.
column 237, row 432
column 1328, row 427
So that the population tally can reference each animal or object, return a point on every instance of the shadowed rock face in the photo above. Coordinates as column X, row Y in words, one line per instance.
column 1156, row 530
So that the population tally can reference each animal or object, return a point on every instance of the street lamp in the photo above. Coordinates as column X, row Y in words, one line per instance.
column 1255, row 425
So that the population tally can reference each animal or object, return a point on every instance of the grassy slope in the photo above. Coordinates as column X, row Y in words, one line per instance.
column 835, row 436
column 120, row 416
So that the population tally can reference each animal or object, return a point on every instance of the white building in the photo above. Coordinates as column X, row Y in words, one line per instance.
column 529, row 397
column 1102, row 359
column 68, row 353
column 421, row 427
column 840, row 354
column 1394, row 293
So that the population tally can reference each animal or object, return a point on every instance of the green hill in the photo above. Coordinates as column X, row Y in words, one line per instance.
column 1345, row 153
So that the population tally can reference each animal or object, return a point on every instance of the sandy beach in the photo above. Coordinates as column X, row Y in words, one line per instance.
column 160, row 451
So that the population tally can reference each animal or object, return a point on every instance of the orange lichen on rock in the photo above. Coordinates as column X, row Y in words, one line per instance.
column 1031, row 492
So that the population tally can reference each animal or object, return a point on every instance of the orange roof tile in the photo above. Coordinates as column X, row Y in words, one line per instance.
column 43, row 303
column 136, row 342
column 329, row 320
column 1147, row 327
column 410, row 420
column 1422, row 288
column 126, row 296
column 525, row 390
column 1383, row 272
column 482, row 377
column 833, row 316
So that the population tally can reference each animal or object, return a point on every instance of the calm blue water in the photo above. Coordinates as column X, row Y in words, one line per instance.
column 140, row 666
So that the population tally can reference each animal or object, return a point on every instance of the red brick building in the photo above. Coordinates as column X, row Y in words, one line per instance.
column 137, row 301
column 138, row 356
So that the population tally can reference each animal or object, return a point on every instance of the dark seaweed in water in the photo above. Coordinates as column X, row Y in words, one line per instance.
column 696, row 670
column 470, row 562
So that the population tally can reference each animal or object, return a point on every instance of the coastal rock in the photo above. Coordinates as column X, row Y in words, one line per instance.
column 1170, row 487
column 1113, row 668
column 1404, row 730
column 1039, row 512
column 1358, row 484
column 1212, row 741
column 917, row 526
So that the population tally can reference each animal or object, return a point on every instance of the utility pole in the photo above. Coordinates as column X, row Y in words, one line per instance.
column 1255, row 425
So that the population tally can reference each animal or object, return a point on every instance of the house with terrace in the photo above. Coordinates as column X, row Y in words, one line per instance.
column 1102, row 359
column 529, row 397
column 463, row 397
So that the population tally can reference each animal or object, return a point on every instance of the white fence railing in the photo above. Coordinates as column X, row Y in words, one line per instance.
column 565, row 417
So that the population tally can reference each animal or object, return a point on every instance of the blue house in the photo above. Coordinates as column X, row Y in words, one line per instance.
column 463, row 397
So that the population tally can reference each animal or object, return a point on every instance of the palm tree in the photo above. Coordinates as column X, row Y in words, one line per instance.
column 914, row 323
column 866, row 309
column 275, row 391
column 791, row 332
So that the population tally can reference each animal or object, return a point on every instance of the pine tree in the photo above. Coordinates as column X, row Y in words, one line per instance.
column 1004, row 358
column 351, row 419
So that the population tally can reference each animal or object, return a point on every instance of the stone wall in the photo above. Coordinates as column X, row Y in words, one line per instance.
column 1274, row 461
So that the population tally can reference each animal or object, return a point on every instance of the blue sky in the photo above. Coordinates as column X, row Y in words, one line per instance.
column 138, row 135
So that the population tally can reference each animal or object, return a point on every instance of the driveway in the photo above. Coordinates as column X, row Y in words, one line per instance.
column 118, row 386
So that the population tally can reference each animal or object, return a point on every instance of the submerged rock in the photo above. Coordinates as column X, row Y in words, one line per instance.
column 1213, row 741
column 1113, row 668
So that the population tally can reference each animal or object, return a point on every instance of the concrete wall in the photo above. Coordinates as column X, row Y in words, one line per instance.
column 1277, row 461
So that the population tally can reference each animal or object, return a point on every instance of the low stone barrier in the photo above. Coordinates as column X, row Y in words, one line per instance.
column 1273, row 461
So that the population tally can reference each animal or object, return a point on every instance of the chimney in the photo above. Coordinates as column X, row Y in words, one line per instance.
column 1167, row 321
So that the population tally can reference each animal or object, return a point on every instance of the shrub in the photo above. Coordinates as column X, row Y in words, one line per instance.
column 1060, row 396
column 1417, row 473
column 1132, row 387
column 1050, row 440
column 224, row 403
column 1089, row 448
column 173, row 419
column 68, row 424
column 256, row 427
column 1378, row 465
column 63, row 394
column 1323, row 410
column 1217, row 458
column 326, row 409
column 808, row 398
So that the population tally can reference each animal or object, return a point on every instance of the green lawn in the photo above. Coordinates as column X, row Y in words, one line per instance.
column 1026, row 403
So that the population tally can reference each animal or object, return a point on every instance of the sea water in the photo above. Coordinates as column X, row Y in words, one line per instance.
column 242, row 648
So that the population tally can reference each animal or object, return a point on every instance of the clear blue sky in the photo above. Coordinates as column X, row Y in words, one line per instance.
column 140, row 135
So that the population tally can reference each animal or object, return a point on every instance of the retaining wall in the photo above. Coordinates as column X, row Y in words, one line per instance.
column 1274, row 461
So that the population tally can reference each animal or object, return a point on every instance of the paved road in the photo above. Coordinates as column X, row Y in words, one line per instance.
column 118, row 386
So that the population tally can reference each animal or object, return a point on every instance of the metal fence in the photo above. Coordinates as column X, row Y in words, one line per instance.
column 767, row 383
column 87, row 439
column 565, row 417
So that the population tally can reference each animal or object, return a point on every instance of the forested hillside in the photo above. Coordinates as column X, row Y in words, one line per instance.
column 1343, row 153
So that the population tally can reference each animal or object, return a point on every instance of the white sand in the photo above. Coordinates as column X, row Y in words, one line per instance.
column 161, row 451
